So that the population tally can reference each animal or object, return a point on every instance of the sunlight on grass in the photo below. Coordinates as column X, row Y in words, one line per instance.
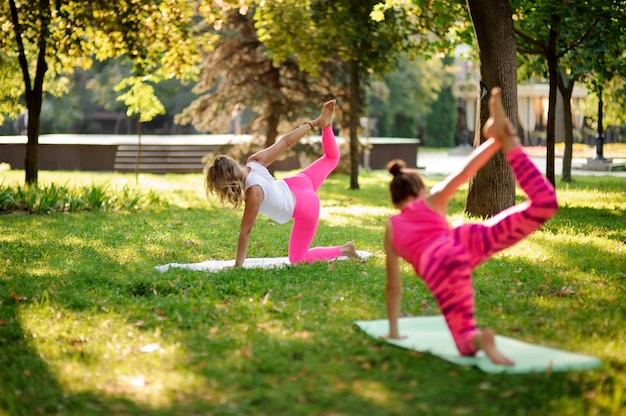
column 90, row 352
column 373, row 391
column 591, row 198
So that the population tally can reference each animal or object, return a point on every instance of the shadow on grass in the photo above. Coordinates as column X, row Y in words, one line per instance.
column 27, row 384
column 591, row 220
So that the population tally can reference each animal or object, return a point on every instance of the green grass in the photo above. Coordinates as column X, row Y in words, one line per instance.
column 87, row 327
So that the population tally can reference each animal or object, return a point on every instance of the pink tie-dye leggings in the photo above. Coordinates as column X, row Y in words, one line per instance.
column 304, row 186
column 447, row 264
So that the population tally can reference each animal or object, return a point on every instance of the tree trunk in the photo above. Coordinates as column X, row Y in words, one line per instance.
column 493, row 187
column 138, row 156
column 354, row 123
column 566, row 87
column 32, row 92
column 552, row 81
column 31, row 160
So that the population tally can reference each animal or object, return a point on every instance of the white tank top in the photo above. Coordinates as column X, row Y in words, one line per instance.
column 278, row 202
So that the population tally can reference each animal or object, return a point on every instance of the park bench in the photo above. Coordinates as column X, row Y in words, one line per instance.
column 161, row 158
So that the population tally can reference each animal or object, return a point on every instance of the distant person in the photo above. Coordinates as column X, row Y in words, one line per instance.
column 235, row 119
column 21, row 124
column 444, row 256
column 291, row 198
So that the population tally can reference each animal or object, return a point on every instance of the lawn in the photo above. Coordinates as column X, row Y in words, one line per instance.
column 88, row 327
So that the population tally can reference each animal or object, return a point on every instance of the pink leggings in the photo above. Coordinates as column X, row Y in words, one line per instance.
column 304, row 186
column 446, row 266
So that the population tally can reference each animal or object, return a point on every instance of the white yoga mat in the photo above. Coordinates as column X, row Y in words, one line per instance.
column 249, row 263
column 430, row 334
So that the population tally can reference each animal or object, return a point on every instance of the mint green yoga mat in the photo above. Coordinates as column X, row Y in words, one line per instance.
column 430, row 334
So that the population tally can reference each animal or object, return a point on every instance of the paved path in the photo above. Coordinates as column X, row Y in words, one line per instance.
column 443, row 163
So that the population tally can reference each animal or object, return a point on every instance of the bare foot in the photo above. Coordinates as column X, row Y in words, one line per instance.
column 326, row 117
column 498, row 125
column 486, row 341
column 349, row 250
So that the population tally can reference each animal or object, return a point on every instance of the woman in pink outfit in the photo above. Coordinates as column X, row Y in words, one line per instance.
column 444, row 256
column 291, row 198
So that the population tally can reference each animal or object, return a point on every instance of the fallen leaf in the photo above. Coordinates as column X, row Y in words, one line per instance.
column 136, row 381
column 302, row 334
column 150, row 347
column 17, row 298
column 591, row 394
column 566, row 291
column 246, row 352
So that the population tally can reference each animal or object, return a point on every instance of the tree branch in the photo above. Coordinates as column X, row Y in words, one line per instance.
column 579, row 40
column 541, row 47
column 21, row 57
column 42, row 66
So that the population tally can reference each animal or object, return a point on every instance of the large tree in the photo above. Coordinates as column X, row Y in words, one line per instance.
column 50, row 38
column 493, row 187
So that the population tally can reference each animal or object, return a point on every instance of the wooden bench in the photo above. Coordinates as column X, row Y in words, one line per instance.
column 162, row 158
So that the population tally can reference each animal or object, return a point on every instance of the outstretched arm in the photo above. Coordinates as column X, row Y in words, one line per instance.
column 393, row 289
column 254, row 196
column 441, row 193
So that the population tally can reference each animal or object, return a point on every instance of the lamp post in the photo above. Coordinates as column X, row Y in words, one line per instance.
column 600, row 136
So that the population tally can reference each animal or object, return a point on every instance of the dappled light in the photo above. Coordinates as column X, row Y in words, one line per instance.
column 135, row 356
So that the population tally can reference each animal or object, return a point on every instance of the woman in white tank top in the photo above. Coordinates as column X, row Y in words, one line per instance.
column 292, row 198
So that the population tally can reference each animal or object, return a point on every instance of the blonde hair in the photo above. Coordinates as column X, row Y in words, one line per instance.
column 224, row 179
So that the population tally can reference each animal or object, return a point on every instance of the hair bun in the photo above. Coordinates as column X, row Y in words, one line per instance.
column 395, row 166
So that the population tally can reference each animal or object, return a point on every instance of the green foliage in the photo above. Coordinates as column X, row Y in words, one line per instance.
column 588, row 46
column 374, row 45
column 87, row 326
column 613, row 104
column 440, row 125
column 49, row 39
column 140, row 98
column 403, row 98
column 54, row 198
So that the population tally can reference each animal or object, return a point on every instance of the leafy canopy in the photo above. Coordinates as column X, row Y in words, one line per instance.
column 156, row 37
